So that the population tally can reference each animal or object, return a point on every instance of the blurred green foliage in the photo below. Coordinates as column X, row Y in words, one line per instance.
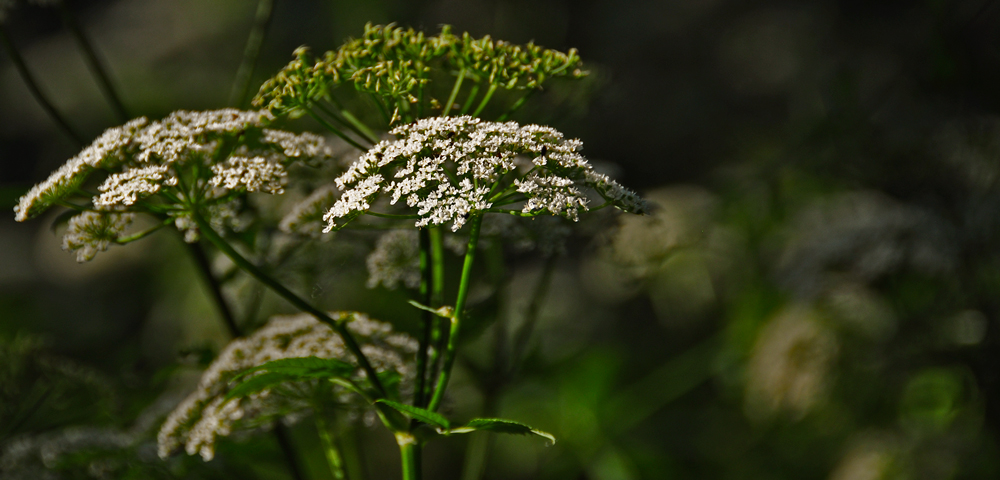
column 814, row 297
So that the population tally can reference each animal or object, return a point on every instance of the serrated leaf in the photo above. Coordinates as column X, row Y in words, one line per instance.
column 418, row 413
column 258, row 383
column 501, row 425
column 303, row 367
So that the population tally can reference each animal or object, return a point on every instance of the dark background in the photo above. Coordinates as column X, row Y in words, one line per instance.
column 816, row 297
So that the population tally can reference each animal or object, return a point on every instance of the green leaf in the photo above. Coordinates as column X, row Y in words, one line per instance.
column 418, row 413
column 258, row 383
column 303, row 367
column 501, row 425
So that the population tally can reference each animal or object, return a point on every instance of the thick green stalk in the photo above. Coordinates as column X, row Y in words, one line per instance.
column 407, row 454
column 454, row 94
column 349, row 341
column 333, row 458
column 426, row 318
column 93, row 62
column 436, row 300
column 456, row 320
column 262, row 19
column 36, row 91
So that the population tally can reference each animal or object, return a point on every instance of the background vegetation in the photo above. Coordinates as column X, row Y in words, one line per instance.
column 816, row 296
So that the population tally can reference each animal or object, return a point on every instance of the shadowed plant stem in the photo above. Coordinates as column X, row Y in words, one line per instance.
column 36, row 91
column 426, row 317
column 205, row 267
column 262, row 19
column 206, row 230
column 333, row 458
column 459, row 314
column 93, row 62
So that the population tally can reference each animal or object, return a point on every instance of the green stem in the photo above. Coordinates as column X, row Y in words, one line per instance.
column 262, row 19
column 436, row 300
column 349, row 341
column 523, row 334
column 35, row 90
column 407, row 454
column 333, row 458
column 93, row 62
column 468, row 101
column 517, row 105
column 205, row 267
column 142, row 234
column 486, row 100
column 426, row 317
column 456, row 321
column 454, row 94
column 336, row 131
column 352, row 126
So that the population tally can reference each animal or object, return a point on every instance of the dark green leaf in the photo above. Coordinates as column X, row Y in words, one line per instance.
column 304, row 367
column 418, row 413
column 500, row 425
column 258, row 383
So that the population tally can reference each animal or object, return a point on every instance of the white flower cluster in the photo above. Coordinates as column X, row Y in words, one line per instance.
column 256, row 174
column 143, row 157
column 449, row 168
column 92, row 232
column 395, row 259
column 205, row 414
column 216, row 152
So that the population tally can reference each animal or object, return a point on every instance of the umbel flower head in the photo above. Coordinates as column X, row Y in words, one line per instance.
column 169, row 168
column 207, row 414
column 394, row 63
column 447, row 169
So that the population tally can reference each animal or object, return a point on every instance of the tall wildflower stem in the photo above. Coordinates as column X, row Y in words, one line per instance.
column 262, row 19
column 206, row 230
column 516, row 106
column 94, row 62
column 408, row 449
column 36, row 91
column 458, row 316
column 427, row 318
column 436, row 300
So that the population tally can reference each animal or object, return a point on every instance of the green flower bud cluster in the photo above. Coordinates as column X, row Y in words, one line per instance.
column 396, row 64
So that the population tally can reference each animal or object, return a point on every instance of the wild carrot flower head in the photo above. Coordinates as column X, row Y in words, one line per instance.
column 446, row 169
column 207, row 414
column 169, row 168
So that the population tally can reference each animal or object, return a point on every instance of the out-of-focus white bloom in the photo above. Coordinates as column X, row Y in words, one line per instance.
column 256, row 174
column 92, row 232
column 395, row 259
column 306, row 217
column 790, row 363
column 870, row 458
column 205, row 415
column 449, row 168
